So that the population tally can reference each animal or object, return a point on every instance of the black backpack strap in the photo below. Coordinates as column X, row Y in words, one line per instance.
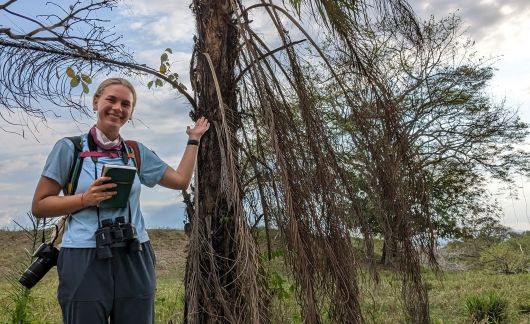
column 135, row 154
column 71, row 185
column 75, row 168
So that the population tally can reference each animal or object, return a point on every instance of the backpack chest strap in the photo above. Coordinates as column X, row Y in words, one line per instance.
column 110, row 154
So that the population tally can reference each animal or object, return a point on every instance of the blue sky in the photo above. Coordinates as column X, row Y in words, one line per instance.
column 500, row 28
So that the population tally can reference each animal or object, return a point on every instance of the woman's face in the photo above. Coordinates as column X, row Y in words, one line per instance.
column 114, row 108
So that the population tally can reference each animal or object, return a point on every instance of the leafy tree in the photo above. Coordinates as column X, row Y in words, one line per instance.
column 420, row 142
column 243, row 86
column 441, row 126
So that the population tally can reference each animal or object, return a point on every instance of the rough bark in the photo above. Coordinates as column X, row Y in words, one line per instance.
column 218, row 288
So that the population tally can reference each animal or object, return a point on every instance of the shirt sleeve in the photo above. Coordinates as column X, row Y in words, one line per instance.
column 152, row 167
column 59, row 162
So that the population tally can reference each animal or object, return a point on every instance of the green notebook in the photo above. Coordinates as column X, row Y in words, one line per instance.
column 123, row 176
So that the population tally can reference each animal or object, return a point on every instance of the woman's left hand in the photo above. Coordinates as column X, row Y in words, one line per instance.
column 201, row 126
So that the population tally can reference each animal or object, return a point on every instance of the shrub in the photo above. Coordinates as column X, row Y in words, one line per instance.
column 488, row 308
column 511, row 256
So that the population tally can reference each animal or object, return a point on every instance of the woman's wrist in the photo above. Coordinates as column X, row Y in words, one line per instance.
column 82, row 200
column 193, row 142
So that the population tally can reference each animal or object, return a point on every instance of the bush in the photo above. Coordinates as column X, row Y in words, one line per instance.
column 488, row 308
column 511, row 256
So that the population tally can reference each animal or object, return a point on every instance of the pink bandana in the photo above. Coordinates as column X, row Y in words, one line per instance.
column 103, row 142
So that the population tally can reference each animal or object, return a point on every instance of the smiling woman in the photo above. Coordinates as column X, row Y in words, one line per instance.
column 114, row 103
column 106, row 262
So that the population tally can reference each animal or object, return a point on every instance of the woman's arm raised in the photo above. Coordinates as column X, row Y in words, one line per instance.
column 181, row 177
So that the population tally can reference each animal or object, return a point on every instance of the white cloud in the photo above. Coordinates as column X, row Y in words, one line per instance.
column 136, row 25
column 160, row 21
column 148, row 8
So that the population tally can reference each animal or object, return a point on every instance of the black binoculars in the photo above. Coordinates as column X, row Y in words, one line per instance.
column 116, row 234
column 46, row 256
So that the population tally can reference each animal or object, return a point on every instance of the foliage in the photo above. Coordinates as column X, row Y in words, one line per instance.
column 441, row 122
column 465, row 253
column 419, row 142
column 79, row 78
column 489, row 308
column 278, row 284
column 510, row 256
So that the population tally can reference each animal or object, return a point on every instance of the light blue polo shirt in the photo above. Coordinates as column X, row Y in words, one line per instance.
column 80, row 228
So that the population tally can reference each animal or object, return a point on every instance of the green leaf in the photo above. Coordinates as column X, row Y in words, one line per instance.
column 183, row 86
column 86, row 78
column 75, row 81
column 296, row 5
column 164, row 58
column 159, row 83
column 163, row 68
column 169, row 50
column 85, row 87
column 70, row 72
column 149, row 84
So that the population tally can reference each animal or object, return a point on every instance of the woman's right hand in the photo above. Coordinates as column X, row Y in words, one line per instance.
column 97, row 192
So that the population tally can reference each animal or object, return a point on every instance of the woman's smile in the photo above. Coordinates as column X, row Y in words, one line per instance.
column 114, row 108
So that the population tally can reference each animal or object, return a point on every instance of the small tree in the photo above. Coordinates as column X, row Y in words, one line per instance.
column 509, row 256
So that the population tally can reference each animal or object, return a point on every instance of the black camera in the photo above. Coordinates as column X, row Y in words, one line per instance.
column 116, row 234
column 46, row 256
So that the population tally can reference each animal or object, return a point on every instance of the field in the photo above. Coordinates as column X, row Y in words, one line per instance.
column 381, row 304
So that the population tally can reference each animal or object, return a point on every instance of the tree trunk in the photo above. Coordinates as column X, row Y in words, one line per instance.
column 218, row 288
column 390, row 251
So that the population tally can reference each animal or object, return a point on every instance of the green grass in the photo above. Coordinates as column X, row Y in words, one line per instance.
column 380, row 303
column 448, row 296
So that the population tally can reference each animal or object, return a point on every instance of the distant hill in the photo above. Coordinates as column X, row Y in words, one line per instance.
column 169, row 246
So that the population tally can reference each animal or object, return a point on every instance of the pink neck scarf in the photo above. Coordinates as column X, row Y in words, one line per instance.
column 103, row 142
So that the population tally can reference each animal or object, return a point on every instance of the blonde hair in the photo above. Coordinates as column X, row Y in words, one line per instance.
column 112, row 81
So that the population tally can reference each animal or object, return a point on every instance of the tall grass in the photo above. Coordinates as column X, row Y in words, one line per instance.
column 17, row 302
column 489, row 308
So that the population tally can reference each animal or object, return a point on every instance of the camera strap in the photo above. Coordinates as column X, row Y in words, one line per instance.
column 44, row 230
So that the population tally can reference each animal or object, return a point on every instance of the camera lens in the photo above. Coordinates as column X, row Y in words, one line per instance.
column 46, row 259
column 34, row 273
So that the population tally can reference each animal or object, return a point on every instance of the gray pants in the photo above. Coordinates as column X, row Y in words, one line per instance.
column 120, row 289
